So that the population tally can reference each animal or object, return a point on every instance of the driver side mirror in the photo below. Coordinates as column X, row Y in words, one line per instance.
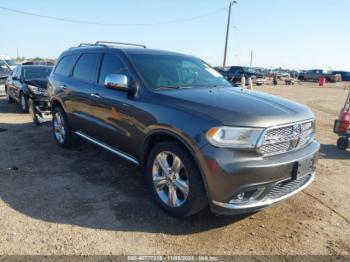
column 118, row 82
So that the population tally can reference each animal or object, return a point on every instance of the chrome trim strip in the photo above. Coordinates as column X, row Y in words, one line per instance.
column 265, row 202
column 108, row 148
column 261, row 139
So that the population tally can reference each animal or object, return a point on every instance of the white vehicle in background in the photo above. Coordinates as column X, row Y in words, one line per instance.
column 7, row 62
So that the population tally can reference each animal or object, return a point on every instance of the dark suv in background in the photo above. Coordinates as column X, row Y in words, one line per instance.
column 235, row 74
column 200, row 140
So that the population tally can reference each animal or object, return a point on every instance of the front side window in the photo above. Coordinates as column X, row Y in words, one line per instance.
column 18, row 72
column 176, row 71
column 85, row 68
column 14, row 71
column 111, row 64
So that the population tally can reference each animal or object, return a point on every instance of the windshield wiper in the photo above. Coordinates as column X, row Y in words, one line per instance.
column 168, row 87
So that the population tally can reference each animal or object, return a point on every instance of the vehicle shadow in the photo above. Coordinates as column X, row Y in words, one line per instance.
column 7, row 108
column 332, row 152
column 84, row 186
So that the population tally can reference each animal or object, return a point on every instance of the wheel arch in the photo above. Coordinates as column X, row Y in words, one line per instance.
column 55, row 103
column 162, row 135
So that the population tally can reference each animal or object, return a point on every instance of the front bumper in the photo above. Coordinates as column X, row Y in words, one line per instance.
column 39, row 108
column 229, row 173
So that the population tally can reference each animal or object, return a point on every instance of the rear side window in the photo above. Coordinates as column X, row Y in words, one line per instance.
column 85, row 68
column 65, row 65
column 111, row 64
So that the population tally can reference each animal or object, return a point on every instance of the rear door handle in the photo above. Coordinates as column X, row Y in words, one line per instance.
column 95, row 95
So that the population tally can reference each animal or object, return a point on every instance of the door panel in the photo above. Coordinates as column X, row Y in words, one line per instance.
column 79, row 89
column 112, row 109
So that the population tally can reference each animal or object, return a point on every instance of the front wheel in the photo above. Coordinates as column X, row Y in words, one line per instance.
column 343, row 143
column 61, row 128
column 24, row 103
column 175, row 180
column 8, row 97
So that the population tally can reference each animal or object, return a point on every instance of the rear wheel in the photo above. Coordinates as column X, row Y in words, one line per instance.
column 175, row 180
column 61, row 128
column 343, row 143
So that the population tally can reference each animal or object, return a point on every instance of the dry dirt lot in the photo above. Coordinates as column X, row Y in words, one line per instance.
column 87, row 201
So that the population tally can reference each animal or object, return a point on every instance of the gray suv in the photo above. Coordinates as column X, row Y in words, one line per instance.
column 201, row 141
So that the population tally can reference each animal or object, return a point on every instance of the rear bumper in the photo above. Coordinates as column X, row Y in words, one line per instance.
column 229, row 173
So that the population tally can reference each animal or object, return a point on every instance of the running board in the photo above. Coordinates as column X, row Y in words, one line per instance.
column 108, row 148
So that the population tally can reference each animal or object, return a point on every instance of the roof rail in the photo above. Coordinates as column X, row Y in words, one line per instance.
column 86, row 44
column 107, row 43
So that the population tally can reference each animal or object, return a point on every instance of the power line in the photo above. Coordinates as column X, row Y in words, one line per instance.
column 68, row 20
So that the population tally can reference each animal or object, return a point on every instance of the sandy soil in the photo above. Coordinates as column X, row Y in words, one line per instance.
column 87, row 201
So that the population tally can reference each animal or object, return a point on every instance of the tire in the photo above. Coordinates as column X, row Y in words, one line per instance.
column 61, row 129
column 8, row 97
column 186, row 182
column 343, row 143
column 23, row 100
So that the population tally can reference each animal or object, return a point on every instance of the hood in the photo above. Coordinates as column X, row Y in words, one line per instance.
column 42, row 83
column 236, row 107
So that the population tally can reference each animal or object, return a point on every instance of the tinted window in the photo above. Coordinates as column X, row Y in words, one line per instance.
column 65, row 65
column 111, row 64
column 85, row 68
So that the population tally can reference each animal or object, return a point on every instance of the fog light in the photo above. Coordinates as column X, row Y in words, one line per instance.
column 247, row 196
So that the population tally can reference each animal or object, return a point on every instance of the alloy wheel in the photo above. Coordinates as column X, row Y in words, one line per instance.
column 59, row 130
column 170, row 179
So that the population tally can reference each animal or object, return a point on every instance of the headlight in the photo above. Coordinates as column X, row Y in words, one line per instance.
column 37, row 90
column 234, row 137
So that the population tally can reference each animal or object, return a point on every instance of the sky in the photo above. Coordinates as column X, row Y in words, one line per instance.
column 295, row 34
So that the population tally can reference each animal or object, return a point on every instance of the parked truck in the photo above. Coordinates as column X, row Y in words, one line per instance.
column 316, row 74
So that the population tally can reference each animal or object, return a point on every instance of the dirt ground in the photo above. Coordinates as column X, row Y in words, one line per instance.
column 87, row 201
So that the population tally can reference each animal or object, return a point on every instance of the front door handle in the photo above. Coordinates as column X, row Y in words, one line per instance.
column 64, row 87
column 95, row 95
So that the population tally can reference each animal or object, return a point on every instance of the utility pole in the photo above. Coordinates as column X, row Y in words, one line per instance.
column 251, row 59
column 228, row 30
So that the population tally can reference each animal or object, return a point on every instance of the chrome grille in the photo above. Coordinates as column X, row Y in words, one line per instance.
column 287, row 187
column 281, row 140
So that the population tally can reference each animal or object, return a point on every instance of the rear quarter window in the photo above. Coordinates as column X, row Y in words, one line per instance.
column 65, row 65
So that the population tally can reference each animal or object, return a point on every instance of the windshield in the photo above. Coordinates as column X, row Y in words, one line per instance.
column 10, row 62
column 173, row 71
column 36, row 72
